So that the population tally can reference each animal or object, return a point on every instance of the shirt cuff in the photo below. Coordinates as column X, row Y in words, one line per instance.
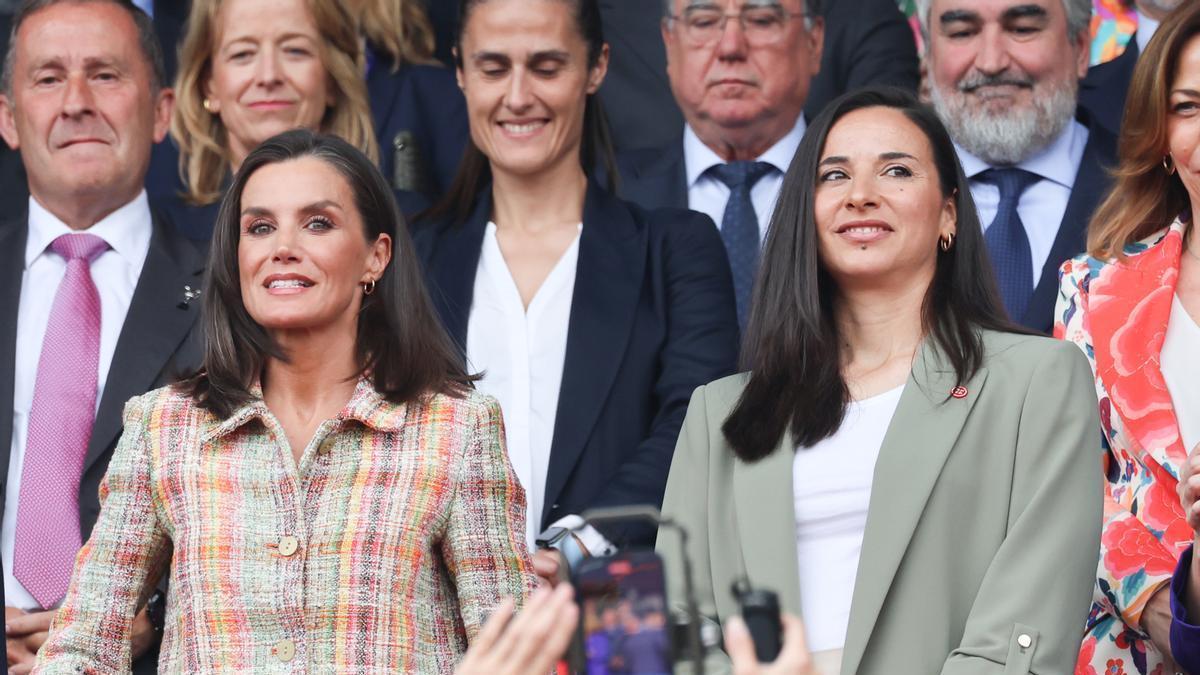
column 1185, row 637
column 595, row 543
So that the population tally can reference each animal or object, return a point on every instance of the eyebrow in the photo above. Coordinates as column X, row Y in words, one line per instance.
column 885, row 156
column 709, row 4
column 315, row 207
column 1025, row 12
column 957, row 15
column 1187, row 92
column 89, row 63
column 548, row 54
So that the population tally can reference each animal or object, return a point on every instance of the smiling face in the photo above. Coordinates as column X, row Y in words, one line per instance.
column 302, row 248
column 82, row 110
column 879, row 205
column 1004, row 74
column 266, row 75
column 749, row 85
column 1183, row 119
column 526, row 79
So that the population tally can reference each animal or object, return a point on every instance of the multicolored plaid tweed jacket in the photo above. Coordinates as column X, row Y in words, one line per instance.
column 383, row 552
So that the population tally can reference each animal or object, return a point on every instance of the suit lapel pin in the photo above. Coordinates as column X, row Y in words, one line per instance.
column 189, row 294
column 959, row 392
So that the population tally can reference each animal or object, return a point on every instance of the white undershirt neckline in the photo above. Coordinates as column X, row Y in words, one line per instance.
column 832, row 482
column 521, row 353
column 1180, row 362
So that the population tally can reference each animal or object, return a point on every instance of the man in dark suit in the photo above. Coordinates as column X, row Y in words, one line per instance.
column 866, row 42
column 740, row 72
column 1104, row 89
column 1004, row 77
column 96, row 294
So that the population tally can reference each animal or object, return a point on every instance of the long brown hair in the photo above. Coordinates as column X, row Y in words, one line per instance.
column 400, row 341
column 1145, row 197
column 204, row 159
column 792, row 347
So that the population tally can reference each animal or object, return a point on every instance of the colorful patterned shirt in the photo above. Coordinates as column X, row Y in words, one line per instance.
column 383, row 551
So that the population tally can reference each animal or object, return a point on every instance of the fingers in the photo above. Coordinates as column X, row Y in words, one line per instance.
column 21, row 669
column 550, row 623
column 794, row 657
column 494, row 627
column 740, row 647
column 34, row 622
column 547, row 565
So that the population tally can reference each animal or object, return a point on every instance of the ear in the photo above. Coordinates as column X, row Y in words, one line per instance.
column 458, row 69
column 949, row 219
column 599, row 71
column 1082, row 46
column 164, row 105
column 816, row 35
column 214, row 105
column 8, row 123
column 378, row 257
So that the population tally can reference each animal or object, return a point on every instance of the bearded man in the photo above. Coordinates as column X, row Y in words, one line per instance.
column 1004, row 77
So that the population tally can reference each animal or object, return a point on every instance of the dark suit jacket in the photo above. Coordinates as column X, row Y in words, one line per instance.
column 652, row 318
column 1104, row 89
column 1091, row 186
column 655, row 179
column 866, row 42
column 425, row 101
column 156, row 343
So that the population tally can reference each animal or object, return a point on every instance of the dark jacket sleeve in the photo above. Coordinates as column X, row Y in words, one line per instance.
column 701, row 346
column 1185, row 635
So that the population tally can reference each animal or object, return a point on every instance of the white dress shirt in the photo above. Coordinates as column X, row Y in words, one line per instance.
column 1146, row 27
column 115, row 273
column 832, row 490
column 521, row 353
column 1043, row 204
column 707, row 194
column 1180, row 362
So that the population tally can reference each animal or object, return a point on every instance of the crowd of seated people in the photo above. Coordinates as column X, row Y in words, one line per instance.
column 325, row 323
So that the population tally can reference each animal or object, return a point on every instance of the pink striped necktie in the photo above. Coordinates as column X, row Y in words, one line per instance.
column 60, row 426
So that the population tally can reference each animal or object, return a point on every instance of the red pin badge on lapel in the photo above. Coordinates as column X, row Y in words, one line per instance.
column 959, row 392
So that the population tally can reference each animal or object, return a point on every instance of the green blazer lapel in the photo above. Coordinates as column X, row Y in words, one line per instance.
column 764, row 506
column 922, row 434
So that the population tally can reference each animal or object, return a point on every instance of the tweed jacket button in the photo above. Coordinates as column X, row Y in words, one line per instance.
column 1023, row 641
column 288, row 545
column 285, row 650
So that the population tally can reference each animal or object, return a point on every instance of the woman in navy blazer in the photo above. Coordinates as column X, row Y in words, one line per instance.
column 651, row 308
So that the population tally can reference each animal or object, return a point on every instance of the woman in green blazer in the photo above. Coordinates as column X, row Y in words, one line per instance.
column 909, row 471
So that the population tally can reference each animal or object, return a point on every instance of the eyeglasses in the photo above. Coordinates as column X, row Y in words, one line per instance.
column 761, row 25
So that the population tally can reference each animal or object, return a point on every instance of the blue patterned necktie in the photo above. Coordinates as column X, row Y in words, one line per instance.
column 739, row 227
column 1007, row 241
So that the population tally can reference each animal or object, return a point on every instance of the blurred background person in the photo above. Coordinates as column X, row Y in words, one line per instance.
column 741, row 79
column 1103, row 91
column 331, row 442
column 96, row 291
column 249, row 69
column 1004, row 76
column 591, row 319
column 418, row 110
column 1131, row 304
column 886, row 390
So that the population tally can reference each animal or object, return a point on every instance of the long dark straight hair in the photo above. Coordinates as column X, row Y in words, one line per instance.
column 792, row 346
column 400, row 344
column 475, row 173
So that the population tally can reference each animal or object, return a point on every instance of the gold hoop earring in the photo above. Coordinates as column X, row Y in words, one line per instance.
column 369, row 287
column 207, row 105
column 946, row 242
column 1169, row 164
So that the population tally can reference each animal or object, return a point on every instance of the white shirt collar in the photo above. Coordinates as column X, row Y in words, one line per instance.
column 698, row 157
column 1145, row 30
column 126, row 230
column 1057, row 162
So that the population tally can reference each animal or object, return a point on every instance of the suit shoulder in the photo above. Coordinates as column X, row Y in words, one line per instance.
column 166, row 406
column 721, row 395
column 463, row 410
column 1018, row 353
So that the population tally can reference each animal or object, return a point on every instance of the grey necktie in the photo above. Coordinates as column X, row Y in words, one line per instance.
column 739, row 227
